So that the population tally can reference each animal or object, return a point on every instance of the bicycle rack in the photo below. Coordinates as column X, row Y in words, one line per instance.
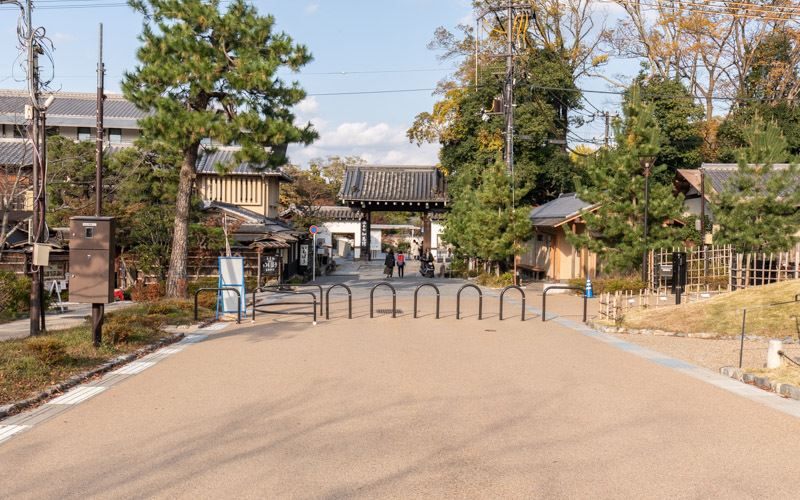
column 510, row 287
column 394, row 299
column 272, row 289
column 416, row 291
column 544, row 299
column 349, row 301
column 303, row 285
column 224, row 288
column 480, row 300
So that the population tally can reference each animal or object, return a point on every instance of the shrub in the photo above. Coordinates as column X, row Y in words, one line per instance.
column 611, row 284
column 490, row 280
column 48, row 350
column 148, row 293
column 15, row 295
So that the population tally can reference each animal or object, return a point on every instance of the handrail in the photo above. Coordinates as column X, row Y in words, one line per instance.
column 223, row 288
column 349, row 301
column 510, row 287
column 544, row 299
column 416, row 291
column 480, row 300
column 279, row 285
column 394, row 299
column 744, row 319
column 267, row 288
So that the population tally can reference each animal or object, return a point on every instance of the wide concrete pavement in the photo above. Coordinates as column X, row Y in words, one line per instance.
column 404, row 408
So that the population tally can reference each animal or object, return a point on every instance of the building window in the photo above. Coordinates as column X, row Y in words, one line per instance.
column 17, row 131
column 84, row 134
column 52, row 131
column 114, row 135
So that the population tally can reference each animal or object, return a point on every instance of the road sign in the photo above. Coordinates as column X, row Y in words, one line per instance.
column 313, row 229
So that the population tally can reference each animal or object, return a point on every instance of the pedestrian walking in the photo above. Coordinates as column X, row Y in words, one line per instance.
column 401, row 264
column 414, row 250
column 388, row 264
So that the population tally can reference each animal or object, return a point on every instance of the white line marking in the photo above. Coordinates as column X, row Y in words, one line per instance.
column 6, row 431
column 134, row 368
column 214, row 327
column 77, row 395
column 172, row 350
column 192, row 339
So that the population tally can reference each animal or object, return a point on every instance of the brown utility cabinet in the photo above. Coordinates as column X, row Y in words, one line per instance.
column 91, row 259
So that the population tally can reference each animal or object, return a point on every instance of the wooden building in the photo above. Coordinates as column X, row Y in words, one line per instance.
column 549, row 256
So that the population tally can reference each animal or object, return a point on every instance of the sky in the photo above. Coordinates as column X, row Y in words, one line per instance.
column 372, row 72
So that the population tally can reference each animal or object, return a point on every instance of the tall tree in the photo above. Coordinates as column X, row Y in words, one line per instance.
column 757, row 209
column 616, row 183
column 207, row 73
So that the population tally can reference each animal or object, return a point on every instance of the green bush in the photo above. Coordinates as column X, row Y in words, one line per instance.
column 15, row 295
column 48, row 350
column 490, row 280
column 611, row 284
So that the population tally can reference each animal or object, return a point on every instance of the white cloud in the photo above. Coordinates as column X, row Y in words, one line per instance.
column 312, row 8
column 380, row 144
column 307, row 106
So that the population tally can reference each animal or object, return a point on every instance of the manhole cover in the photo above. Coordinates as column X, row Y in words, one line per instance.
column 388, row 311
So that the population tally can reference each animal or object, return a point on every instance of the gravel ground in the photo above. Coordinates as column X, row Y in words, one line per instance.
column 708, row 353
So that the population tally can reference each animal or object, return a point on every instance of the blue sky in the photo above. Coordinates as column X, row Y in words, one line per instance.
column 358, row 46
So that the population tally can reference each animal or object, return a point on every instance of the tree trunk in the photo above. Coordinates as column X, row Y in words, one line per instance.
column 177, row 287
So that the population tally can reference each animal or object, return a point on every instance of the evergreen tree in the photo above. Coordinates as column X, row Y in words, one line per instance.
column 757, row 208
column 616, row 183
column 204, row 73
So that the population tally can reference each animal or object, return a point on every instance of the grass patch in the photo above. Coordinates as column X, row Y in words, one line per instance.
column 718, row 314
column 31, row 365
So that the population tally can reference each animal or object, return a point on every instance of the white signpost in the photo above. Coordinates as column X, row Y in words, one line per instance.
column 313, row 230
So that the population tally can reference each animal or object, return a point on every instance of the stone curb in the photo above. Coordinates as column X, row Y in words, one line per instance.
column 81, row 377
column 633, row 331
column 765, row 383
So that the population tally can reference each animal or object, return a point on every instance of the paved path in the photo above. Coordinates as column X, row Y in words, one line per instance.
column 403, row 408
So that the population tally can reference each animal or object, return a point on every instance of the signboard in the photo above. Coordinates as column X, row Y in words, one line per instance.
column 364, row 233
column 269, row 265
column 231, row 274
column 303, row 255
column 313, row 229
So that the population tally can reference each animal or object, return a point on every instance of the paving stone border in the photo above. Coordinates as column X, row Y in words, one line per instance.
column 81, row 377
column 701, row 335
column 765, row 383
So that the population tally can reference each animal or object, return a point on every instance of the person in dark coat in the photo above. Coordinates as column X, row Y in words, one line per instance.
column 388, row 264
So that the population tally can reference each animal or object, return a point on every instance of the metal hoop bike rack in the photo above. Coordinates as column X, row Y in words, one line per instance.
column 303, row 285
column 416, row 291
column 349, row 301
column 521, row 291
column 480, row 300
column 544, row 299
column 394, row 299
column 224, row 288
column 275, row 289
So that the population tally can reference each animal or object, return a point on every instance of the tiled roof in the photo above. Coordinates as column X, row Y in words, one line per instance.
column 73, row 109
column 556, row 212
column 224, row 155
column 327, row 212
column 393, row 184
column 15, row 152
column 719, row 173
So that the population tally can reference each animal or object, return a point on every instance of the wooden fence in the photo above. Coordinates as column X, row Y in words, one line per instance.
column 613, row 306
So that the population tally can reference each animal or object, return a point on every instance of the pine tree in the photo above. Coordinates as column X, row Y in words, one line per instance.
column 757, row 208
column 616, row 183
column 203, row 74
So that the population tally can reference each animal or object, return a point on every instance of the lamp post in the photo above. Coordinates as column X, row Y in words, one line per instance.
column 646, row 160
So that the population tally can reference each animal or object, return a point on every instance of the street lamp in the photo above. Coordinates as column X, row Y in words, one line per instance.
column 646, row 160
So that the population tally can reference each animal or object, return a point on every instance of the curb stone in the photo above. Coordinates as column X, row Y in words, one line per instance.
column 765, row 383
column 83, row 376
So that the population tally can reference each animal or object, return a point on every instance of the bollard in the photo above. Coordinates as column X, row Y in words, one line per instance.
column 773, row 356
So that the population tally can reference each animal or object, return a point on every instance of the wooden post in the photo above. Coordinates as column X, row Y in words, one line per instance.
column 259, row 251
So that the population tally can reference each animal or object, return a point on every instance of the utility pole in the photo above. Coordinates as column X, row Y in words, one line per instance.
column 98, row 309
column 38, row 198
